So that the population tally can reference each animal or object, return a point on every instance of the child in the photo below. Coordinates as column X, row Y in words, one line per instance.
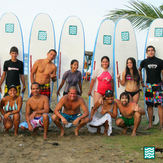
column 102, row 114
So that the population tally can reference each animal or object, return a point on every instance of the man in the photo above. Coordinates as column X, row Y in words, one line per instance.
column 13, row 71
column 43, row 70
column 37, row 109
column 131, row 113
column 71, row 113
column 154, row 84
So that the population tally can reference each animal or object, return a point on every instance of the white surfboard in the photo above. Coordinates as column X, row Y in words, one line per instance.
column 103, row 47
column 155, row 38
column 41, row 40
column 71, row 46
column 125, row 46
column 10, row 35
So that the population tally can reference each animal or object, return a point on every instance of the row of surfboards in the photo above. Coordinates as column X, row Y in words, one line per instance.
column 115, row 40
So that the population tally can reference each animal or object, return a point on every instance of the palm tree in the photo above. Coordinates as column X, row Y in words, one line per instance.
column 139, row 13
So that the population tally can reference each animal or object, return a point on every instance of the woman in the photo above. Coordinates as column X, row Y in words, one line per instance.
column 101, row 80
column 10, row 107
column 131, row 79
column 72, row 77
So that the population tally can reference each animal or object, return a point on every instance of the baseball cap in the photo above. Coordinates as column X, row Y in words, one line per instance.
column 109, row 93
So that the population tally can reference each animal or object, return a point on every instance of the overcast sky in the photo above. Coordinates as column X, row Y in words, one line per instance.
column 91, row 12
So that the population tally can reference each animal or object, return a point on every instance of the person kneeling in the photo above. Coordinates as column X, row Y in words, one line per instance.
column 71, row 113
column 37, row 109
column 131, row 113
column 10, row 109
column 102, row 114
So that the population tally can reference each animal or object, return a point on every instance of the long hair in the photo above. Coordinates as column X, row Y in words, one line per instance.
column 136, row 75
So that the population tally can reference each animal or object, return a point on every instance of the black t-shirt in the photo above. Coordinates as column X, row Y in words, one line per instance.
column 153, row 67
column 13, row 70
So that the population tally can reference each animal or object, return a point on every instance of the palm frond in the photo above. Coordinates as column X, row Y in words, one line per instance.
column 139, row 13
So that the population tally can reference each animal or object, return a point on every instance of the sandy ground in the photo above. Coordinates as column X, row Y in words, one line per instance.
column 86, row 148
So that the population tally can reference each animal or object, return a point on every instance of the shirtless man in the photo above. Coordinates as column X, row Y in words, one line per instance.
column 71, row 113
column 43, row 70
column 131, row 113
column 37, row 109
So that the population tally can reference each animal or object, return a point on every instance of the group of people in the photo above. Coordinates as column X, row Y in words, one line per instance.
column 71, row 108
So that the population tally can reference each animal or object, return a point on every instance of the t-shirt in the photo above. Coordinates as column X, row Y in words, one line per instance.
column 72, row 79
column 13, row 70
column 153, row 67
column 102, row 81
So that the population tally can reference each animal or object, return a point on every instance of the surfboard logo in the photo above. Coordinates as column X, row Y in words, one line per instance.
column 158, row 32
column 72, row 30
column 125, row 36
column 42, row 35
column 149, row 152
column 107, row 39
column 9, row 28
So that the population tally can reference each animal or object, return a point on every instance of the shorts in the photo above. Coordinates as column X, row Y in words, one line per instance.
column 18, row 87
column 70, row 118
column 45, row 90
column 128, row 121
column 36, row 122
column 154, row 94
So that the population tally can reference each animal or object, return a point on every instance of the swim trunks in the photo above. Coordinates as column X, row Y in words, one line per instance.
column 45, row 90
column 128, row 121
column 70, row 118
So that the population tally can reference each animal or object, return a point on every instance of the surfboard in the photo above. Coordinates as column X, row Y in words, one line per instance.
column 103, row 47
column 41, row 40
column 10, row 35
column 155, row 38
column 71, row 46
column 124, row 46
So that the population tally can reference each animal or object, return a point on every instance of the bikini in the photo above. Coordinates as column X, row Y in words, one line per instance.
column 10, row 108
column 129, row 77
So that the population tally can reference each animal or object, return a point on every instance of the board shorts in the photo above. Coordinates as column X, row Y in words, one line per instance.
column 128, row 121
column 18, row 87
column 71, row 118
column 36, row 122
column 45, row 90
column 154, row 94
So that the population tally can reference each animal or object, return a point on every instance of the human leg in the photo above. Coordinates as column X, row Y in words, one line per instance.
column 106, row 125
column 137, row 119
column 8, row 123
column 121, row 123
column 160, row 114
column 16, row 119
column 46, row 124
column 57, row 122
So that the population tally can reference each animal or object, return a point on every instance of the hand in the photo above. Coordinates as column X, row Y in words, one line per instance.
column 30, row 128
column 53, row 77
column 76, row 121
column 32, row 116
column 58, row 94
column 64, row 121
column 118, row 76
column 6, row 115
column 89, row 93
column 23, row 90
column 103, row 111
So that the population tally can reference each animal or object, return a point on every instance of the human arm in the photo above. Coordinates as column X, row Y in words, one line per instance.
column 2, row 103
column 60, row 87
column 2, row 79
column 23, row 82
column 94, row 109
column 114, row 113
column 58, row 109
column 91, row 87
column 137, row 108
column 122, row 82
column 27, row 115
column 80, row 86
column 33, row 71
column 53, row 75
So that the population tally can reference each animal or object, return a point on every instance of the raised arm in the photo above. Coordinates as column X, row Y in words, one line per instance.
column 122, row 82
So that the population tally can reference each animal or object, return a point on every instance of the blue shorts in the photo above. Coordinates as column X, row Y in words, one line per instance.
column 70, row 118
column 36, row 122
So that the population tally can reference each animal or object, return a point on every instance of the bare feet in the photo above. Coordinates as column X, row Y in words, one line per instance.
column 124, row 131
column 76, row 132
column 133, row 133
column 148, row 128
column 62, row 132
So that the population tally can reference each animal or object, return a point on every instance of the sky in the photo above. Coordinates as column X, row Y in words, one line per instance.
column 91, row 13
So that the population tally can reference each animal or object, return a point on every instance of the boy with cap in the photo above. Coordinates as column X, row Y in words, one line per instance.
column 102, row 114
